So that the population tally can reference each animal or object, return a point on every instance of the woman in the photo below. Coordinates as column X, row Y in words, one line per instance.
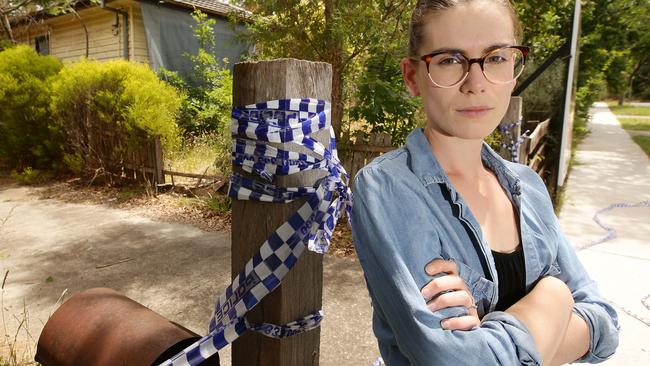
column 462, row 252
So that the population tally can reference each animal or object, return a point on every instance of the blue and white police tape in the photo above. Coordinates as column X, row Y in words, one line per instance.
column 267, row 161
column 309, row 322
column 280, row 121
column 611, row 232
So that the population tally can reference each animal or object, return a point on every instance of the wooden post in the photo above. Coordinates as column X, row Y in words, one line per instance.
column 511, row 135
column 158, row 164
column 252, row 222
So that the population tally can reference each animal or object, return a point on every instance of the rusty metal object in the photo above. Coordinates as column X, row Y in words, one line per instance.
column 102, row 327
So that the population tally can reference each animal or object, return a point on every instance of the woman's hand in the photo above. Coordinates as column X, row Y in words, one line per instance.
column 447, row 291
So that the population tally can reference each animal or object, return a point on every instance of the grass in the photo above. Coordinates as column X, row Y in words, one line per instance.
column 208, row 154
column 635, row 124
column 14, row 352
column 627, row 109
column 644, row 142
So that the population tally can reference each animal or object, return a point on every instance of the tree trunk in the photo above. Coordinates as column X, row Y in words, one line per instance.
column 334, row 56
column 337, row 100
column 6, row 26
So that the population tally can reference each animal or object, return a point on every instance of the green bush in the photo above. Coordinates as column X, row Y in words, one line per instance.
column 28, row 136
column 107, row 109
column 31, row 176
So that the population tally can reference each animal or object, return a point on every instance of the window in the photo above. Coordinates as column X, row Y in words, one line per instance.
column 42, row 44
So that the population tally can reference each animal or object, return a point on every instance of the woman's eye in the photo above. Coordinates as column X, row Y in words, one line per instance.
column 495, row 59
column 449, row 61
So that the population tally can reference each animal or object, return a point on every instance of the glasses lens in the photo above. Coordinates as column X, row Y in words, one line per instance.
column 447, row 69
column 503, row 65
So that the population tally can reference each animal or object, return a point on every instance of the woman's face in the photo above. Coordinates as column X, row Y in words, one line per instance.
column 473, row 108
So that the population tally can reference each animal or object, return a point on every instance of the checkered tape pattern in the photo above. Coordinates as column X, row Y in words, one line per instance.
column 267, row 161
column 311, row 226
column 309, row 322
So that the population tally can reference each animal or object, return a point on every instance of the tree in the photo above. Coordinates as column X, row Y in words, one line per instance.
column 614, row 48
column 340, row 32
column 28, row 10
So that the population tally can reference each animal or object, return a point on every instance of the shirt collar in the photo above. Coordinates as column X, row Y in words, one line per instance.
column 427, row 168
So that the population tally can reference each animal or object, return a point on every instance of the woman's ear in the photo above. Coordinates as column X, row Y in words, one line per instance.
column 409, row 73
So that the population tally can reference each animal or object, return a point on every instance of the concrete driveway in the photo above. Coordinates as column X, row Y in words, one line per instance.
column 176, row 270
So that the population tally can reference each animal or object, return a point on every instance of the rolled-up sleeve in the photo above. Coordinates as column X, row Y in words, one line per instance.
column 600, row 317
column 406, row 325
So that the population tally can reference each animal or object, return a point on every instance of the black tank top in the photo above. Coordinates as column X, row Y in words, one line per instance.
column 511, row 270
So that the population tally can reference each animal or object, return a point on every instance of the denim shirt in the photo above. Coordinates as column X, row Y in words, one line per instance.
column 406, row 213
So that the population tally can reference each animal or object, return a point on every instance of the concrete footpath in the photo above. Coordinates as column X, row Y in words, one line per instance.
column 611, row 169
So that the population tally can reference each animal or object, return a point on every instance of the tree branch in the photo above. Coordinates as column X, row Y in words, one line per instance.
column 16, row 7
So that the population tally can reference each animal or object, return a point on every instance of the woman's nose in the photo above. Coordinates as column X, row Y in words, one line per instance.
column 475, row 80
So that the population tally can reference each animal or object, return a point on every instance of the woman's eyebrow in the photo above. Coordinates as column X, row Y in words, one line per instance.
column 463, row 52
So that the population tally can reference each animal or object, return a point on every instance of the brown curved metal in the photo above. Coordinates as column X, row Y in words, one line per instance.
column 101, row 327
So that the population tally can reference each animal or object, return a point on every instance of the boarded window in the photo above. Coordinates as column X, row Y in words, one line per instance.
column 43, row 45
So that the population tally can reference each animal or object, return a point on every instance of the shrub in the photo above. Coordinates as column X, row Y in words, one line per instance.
column 108, row 109
column 28, row 136
column 30, row 176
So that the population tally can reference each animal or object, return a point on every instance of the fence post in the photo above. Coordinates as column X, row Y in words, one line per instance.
column 158, row 165
column 252, row 222
column 510, row 136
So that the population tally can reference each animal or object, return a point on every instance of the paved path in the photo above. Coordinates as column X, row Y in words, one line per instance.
column 176, row 270
column 640, row 104
column 611, row 169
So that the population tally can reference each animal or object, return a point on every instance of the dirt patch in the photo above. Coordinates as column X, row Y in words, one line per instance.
column 166, row 207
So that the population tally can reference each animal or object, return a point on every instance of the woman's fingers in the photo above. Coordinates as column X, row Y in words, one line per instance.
column 460, row 323
column 441, row 284
column 454, row 298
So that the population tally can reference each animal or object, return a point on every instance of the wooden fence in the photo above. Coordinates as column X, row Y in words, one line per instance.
column 534, row 149
column 147, row 162
column 359, row 153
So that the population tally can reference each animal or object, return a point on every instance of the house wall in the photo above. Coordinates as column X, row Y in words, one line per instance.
column 139, row 51
column 68, row 41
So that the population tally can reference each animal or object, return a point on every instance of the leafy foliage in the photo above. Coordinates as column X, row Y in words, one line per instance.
column 365, row 40
column 206, row 108
column 25, row 10
column 107, row 108
column 28, row 136
column 383, row 102
column 343, row 33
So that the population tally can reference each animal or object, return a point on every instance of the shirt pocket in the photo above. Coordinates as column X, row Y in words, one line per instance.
column 482, row 289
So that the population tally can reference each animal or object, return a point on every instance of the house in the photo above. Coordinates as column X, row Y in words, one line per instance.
column 150, row 31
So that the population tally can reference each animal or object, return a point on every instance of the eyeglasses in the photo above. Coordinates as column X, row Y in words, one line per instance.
column 447, row 69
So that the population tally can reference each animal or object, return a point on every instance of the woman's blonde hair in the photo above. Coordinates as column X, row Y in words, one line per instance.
column 425, row 8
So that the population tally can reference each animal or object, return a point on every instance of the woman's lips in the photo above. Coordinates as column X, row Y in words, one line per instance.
column 474, row 112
